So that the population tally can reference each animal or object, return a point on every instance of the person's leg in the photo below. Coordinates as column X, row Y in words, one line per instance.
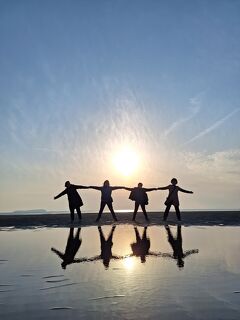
column 101, row 210
column 101, row 235
column 79, row 213
column 110, row 236
column 135, row 211
column 77, row 236
column 138, row 238
column 169, row 233
column 71, row 213
column 179, row 235
column 144, row 211
column 69, row 241
column 178, row 213
column 166, row 212
column 111, row 210
column 144, row 236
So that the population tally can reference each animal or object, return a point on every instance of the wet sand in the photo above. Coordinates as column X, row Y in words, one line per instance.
column 228, row 218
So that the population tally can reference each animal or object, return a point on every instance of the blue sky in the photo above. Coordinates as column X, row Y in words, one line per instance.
column 81, row 79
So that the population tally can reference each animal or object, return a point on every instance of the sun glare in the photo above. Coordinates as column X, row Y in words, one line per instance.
column 128, row 263
column 126, row 161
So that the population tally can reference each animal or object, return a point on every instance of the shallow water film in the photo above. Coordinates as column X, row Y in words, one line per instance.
column 120, row 272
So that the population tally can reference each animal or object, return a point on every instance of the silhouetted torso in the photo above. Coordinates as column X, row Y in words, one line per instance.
column 106, row 192
column 142, row 245
column 73, row 196
column 139, row 195
column 173, row 194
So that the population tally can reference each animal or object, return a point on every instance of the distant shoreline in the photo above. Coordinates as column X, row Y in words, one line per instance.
column 207, row 218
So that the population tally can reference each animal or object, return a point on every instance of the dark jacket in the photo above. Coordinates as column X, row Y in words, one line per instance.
column 140, row 195
column 74, row 198
column 106, row 192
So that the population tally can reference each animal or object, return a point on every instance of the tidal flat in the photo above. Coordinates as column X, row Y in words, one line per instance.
column 120, row 272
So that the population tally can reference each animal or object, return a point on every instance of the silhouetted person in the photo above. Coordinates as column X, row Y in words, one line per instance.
column 106, row 198
column 172, row 198
column 74, row 199
column 142, row 245
column 139, row 195
column 106, row 248
column 72, row 247
column 176, row 244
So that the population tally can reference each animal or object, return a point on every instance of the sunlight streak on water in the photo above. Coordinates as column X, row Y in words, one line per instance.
column 129, row 263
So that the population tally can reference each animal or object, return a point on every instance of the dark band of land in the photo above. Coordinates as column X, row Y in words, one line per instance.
column 201, row 218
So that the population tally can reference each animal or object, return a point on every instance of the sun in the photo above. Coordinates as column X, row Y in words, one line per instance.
column 128, row 263
column 126, row 161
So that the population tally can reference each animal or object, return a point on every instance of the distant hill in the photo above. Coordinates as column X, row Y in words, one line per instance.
column 31, row 211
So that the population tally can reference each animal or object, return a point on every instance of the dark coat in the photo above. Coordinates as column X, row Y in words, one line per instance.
column 139, row 195
column 74, row 198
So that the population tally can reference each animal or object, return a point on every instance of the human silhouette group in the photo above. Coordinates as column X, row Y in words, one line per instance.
column 140, row 248
column 137, row 194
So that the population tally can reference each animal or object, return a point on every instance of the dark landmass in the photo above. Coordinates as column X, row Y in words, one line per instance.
column 30, row 211
column 203, row 218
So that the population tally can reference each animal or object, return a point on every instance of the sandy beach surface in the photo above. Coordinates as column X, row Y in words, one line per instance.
column 228, row 218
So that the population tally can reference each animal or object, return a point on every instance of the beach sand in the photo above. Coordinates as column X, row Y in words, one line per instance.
column 228, row 218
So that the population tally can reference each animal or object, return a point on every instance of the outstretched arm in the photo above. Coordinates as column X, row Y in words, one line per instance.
column 60, row 254
column 60, row 194
column 115, row 257
column 79, row 260
column 150, row 189
column 95, row 188
column 116, row 188
column 95, row 258
column 183, row 190
column 80, row 187
column 163, row 188
column 189, row 252
column 128, row 189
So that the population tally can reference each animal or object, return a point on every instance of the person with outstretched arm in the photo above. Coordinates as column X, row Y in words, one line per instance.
column 141, row 247
column 72, row 247
column 106, row 198
column 74, row 199
column 172, row 198
column 106, row 249
column 139, row 195
column 176, row 244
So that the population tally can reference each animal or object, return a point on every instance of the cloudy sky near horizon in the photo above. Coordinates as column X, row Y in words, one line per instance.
column 81, row 81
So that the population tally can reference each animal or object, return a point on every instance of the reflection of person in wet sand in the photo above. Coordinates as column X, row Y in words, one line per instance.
column 142, row 245
column 106, row 198
column 72, row 247
column 74, row 199
column 139, row 195
column 172, row 198
column 176, row 244
column 106, row 248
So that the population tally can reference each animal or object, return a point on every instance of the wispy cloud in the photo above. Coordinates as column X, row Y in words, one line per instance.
column 213, row 126
column 222, row 165
column 193, row 109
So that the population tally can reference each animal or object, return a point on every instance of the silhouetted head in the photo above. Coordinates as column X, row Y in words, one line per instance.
column 106, row 183
column 64, row 265
column 106, row 263
column 174, row 181
column 67, row 184
column 140, row 185
column 180, row 263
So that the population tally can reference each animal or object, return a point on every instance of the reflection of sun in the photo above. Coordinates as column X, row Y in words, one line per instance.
column 128, row 263
column 126, row 161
